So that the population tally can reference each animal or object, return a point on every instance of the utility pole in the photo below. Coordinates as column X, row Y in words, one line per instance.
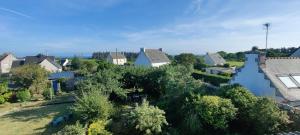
column 267, row 25
column 117, row 56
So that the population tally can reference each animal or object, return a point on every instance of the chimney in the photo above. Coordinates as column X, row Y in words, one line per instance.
column 160, row 49
column 143, row 49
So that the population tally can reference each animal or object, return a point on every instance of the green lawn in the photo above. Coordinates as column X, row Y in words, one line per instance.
column 32, row 120
column 236, row 63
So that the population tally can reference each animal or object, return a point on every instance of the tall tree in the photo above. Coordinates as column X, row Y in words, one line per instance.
column 185, row 59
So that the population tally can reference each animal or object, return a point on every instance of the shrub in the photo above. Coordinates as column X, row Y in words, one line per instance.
column 23, row 95
column 76, row 129
column 92, row 106
column 7, row 96
column 211, row 78
column 266, row 117
column 98, row 128
column 2, row 100
column 207, row 114
column 146, row 119
column 48, row 93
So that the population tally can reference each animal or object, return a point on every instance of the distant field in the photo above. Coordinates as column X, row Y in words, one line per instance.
column 33, row 120
column 236, row 63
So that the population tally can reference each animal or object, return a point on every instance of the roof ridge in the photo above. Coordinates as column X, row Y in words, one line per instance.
column 283, row 57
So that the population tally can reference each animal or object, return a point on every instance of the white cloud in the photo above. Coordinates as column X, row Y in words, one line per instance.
column 15, row 12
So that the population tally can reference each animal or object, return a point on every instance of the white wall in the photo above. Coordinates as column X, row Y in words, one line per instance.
column 142, row 60
column 252, row 79
column 49, row 66
column 159, row 64
column 6, row 63
column 116, row 61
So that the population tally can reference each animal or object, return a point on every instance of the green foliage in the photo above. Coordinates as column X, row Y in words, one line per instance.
column 75, row 63
column 31, row 77
column 146, row 119
column 23, row 95
column 48, row 93
column 92, row 106
column 267, row 117
column 185, row 59
column 2, row 100
column 76, row 129
column 98, row 128
column 5, row 95
column 204, row 113
column 3, row 87
column 240, row 97
column 211, row 78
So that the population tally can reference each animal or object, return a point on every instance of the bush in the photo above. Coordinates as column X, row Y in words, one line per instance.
column 48, row 93
column 7, row 96
column 76, row 129
column 98, row 128
column 92, row 106
column 23, row 95
column 146, row 119
column 2, row 100
column 211, row 78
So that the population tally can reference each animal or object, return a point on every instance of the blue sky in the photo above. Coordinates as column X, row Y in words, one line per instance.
column 74, row 27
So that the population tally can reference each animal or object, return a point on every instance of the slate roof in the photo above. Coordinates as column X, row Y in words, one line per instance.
column 37, row 59
column 117, row 55
column 156, row 56
column 216, row 58
column 60, row 75
column 40, row 58
column 296, row 53
column 17, row 63
column 4, row 56
column 275, row 67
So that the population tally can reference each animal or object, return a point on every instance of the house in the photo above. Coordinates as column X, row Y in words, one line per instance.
column 151, row 58
column 214, row 59
column 116, row 58
column 220, row 70
column 278, row 78
column 47, row 62
column 296, row 53
column 6, row 61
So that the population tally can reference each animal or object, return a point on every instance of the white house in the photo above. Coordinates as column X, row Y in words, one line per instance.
column 214, row 59
column 278, row 78
column 116, row 58
column 47, row 62
column 151, row 58
column 6, row 61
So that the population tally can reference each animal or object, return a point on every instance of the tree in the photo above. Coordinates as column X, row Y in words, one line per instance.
column 75, row 63
column 267, row 118
column 92, row 106
column 32, row 77
column 146, row 119
column 185, row 59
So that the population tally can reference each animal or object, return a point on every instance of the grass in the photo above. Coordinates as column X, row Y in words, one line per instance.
column 32, row 121
column 32, row 117
column 236, row 63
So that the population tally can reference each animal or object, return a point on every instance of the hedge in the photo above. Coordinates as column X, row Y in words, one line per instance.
column 211, row 78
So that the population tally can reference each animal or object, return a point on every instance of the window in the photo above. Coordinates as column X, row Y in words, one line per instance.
column 297, row 78
column 287, row 81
